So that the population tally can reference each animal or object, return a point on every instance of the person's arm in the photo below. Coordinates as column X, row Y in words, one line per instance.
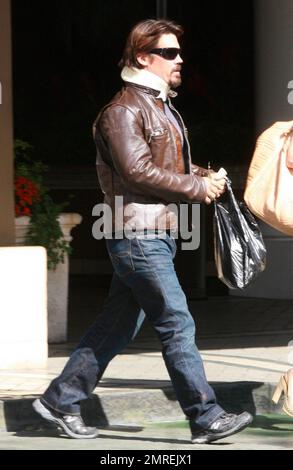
column 132, row 159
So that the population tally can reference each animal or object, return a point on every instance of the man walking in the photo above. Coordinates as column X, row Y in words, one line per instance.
column 144, row 157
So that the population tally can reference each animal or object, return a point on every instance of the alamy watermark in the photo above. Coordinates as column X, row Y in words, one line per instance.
column 290, row 95
column 132, row 220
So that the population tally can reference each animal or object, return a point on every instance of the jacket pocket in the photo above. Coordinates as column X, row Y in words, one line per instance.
column 156, row 134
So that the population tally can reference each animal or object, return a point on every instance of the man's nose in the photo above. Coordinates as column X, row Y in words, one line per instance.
column 179, row 59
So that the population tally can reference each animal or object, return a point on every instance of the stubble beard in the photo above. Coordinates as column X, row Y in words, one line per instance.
column 175, row 82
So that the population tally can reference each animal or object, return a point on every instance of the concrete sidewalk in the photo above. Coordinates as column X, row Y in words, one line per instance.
column 244, row 345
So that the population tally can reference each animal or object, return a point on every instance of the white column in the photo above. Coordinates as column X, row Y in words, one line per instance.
column 23, row 307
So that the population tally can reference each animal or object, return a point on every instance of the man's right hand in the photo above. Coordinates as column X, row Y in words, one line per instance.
column 215, row 187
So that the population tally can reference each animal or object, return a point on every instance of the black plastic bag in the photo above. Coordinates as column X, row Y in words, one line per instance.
column 240, row 253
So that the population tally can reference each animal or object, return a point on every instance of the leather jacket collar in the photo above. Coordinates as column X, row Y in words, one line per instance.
column 150, row 91
column 148, row 82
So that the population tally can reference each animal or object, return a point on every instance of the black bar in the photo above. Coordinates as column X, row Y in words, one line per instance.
column 161, row 9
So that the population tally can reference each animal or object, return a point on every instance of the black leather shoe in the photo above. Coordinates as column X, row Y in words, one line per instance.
column 225, row 425
column 72, row 425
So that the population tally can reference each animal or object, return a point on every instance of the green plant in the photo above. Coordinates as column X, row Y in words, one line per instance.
column 32, row 199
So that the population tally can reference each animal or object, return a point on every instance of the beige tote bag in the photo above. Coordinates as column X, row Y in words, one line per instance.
column 269, row 186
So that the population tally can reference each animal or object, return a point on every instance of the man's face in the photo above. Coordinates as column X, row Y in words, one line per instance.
column 168, row 70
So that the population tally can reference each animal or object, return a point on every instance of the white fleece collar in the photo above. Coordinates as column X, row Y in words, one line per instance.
column 148, row 79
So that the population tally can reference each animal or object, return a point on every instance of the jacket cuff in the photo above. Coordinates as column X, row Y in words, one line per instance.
column 199, row 171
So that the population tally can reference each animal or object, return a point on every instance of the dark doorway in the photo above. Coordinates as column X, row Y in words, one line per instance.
column 65, row 55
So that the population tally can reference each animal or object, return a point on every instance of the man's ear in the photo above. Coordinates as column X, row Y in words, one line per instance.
column 143, row 59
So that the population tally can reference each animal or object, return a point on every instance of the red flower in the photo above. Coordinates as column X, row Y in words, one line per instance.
column 26, row 193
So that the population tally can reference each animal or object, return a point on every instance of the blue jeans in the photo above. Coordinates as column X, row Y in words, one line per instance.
column 144, row 284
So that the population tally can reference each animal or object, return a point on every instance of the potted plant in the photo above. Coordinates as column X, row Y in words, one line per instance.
column 32, row 199
column 41, row 222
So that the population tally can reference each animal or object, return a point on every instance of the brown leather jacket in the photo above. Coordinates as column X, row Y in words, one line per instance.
column 136, row 159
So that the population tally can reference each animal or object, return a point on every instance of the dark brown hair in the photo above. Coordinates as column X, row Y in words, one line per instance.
column 144, row 36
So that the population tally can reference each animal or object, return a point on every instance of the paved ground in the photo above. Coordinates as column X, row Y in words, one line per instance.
column 271, row 432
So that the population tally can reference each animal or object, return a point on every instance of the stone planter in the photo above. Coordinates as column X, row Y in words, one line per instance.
column 57, row 284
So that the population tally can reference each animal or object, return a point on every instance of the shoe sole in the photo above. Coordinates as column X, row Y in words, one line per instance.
column 215, row 437
column 46, row 414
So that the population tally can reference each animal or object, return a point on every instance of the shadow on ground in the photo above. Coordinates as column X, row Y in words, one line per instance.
column 152, row 402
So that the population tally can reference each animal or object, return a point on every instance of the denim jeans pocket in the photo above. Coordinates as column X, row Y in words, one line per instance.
column 122, row 263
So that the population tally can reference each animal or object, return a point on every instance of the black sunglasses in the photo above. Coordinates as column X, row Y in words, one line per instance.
column 168, row 53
